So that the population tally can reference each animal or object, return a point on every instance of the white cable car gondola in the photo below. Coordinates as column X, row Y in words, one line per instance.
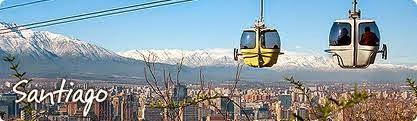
column 355, row 42
column 259, row 45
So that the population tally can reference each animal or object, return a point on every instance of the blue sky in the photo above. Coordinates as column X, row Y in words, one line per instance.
column 303, row 24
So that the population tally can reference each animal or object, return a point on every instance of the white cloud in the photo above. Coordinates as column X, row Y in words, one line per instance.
column 415, row 1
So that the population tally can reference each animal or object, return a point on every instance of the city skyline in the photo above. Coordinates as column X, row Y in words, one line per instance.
column 130, row 102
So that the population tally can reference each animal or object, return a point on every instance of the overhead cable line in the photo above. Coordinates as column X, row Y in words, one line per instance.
column 87, row 14
column 23, row 4
column 93, row 15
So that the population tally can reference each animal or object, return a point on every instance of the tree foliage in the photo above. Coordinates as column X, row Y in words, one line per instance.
column 14, row 67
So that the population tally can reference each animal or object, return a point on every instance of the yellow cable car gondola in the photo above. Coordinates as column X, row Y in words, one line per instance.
column 260, row 46
column 355, row 42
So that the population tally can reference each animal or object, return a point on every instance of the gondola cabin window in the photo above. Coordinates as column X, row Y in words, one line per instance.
column 248, row 40
column 340, row 34
column 369, row 34
column 270, row 40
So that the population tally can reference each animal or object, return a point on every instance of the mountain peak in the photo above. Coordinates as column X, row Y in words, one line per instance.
column 49, row 45
column 14, row 30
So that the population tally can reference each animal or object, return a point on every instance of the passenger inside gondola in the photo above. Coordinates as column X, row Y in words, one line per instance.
column 270, row 40
column 263, row 43
column 369, row 38
column 344, row 38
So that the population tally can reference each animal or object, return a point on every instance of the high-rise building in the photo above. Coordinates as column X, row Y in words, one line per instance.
column 285, row 100
column 227, row 108
column 263, row 113
column 103, row 110
column 191, row 113
column 8, row 105
column 130, row 107
column 117, row 107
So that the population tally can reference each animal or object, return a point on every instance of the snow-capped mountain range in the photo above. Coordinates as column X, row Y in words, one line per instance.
column 303, row 65
column 46, row 54
column 50, row 45
column 224, row 57
column 191, row 58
